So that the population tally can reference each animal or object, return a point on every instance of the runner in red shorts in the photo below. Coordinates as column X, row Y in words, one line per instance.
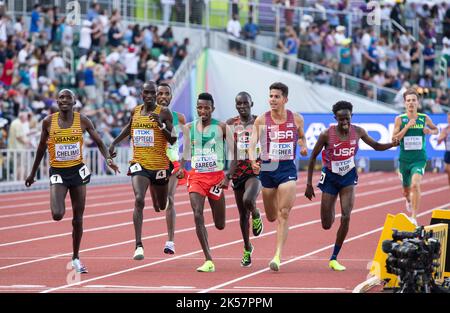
column 204, row 142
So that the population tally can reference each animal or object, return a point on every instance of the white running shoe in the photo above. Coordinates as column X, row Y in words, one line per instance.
column 413, row 220
column 139, row 253
column 169, row 247
column 78, row 266
column 408, row 206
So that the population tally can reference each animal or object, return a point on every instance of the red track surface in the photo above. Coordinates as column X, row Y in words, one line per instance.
column 34, row 250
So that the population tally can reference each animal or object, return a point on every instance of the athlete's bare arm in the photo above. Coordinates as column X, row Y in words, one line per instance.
column 232, row 153
column 86, row 125
column 399, row 134
column 431, row 129
column 258, row 127
column 299, row 122
column 320, row 144
column 186, row 129
column 443, row 135
column 165, row 118
column 125, row 133
column 362, row 133
column 40, row 152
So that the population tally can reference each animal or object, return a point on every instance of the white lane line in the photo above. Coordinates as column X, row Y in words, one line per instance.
column 287, row 288
column 308, row 254
column 238, row 241
column 140, row 287
column 181, row 214
column 164, row 234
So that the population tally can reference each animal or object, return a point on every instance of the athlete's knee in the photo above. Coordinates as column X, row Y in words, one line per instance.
column 139, row 202
column 284, row 213
column 198, row 217
column 326, row 224
column 415, row 186
column 57, row 216
column 220, row 225
column 345, row 219
column 77, row 222
column 248, row 203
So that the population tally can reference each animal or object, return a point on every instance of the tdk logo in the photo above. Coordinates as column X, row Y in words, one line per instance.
column 288, row 134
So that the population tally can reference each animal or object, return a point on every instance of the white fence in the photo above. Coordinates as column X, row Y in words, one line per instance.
column 15, row 166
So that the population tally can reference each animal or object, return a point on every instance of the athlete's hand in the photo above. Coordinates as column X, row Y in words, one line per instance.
column 256, row 168
column 395, row 142
column 224, row 183
column 29, row 181
column 156, row 118
column 112, row 165
column 180, row 173
column 427, row 131
column 112, row 151
column 309, row 192
column 411, row 123
column 304, row 151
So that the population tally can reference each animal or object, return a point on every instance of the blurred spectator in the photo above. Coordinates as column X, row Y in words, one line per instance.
column 234, row 32
column 167, row 10
column 251, row 30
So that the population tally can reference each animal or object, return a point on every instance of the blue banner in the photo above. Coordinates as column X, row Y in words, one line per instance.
column 379, row 127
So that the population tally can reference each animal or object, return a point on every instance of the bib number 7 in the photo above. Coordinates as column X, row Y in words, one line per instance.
column 216, row 190
column 56, row 179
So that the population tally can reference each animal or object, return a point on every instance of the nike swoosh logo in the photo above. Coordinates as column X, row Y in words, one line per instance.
column 290, row 177
column 337, row 145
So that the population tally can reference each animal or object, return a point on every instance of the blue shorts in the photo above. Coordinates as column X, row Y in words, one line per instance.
column 332, row 183
column 447, row 157
column 279, row 173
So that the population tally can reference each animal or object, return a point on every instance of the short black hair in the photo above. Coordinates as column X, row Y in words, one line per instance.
column 165, row 85
column 244, row 93
column 342, row 105
column 280, row 86
column 206, row 96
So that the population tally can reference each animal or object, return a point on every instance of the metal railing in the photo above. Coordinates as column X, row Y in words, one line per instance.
column 15, row 166
column 308, row 70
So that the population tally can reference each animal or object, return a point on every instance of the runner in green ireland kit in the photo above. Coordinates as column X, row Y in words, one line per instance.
column 410, row 129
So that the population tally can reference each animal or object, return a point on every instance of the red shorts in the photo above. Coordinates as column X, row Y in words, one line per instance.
column 176, row 167
column 205, row 184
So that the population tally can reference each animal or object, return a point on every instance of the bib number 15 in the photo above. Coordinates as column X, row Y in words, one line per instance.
column 216, row 190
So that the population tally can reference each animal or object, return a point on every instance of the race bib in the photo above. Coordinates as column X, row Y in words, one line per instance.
column 281, row 150
column 412, row 142
column 216, row 190
column 67, row 151
column 161, row 174
column 322, row 178
column 143, row 138
column 56, row 179
column 342, row 167
column 136, row 167
column 205, row 163
column 84, row 172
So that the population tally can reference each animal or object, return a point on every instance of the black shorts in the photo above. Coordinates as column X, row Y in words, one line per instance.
column 447, row 157
column 74, row 176
column 156, row 177
column 239, row 183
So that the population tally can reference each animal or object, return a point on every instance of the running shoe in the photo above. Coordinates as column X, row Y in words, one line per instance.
column 169, row 247
column 257, row 226
column 335, row 266
column 408, row 206
column 139, row 253
column 78, row 266
column 207, row 267
column 247, row 258
column 413, row 220
column 275, row 264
